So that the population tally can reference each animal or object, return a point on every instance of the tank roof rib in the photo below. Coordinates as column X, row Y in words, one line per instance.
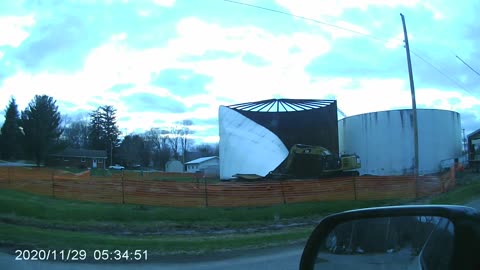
column 282, row 105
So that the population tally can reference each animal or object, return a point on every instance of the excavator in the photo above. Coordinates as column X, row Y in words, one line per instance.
column 309, row 161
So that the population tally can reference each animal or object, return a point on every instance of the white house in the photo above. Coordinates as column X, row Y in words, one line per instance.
column 209, row 165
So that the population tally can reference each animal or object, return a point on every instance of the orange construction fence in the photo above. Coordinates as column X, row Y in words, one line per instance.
column 145, row 188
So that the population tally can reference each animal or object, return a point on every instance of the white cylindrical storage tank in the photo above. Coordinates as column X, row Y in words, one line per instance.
column 384, row 140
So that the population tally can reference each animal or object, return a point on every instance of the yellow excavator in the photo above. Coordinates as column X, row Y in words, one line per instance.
column 309, row 161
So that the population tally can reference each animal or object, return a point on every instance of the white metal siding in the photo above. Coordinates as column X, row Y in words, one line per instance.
column 174, row 166
column 384, row 140
column 203, row 165
column 210, row 162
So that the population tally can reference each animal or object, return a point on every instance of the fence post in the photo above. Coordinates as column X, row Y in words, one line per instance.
column 355, row 188
column 123, row 188
column 53, row 183
column 206, row 192
column 283, row 192
column 453, row 178
column 416, row 186
column 9, row 177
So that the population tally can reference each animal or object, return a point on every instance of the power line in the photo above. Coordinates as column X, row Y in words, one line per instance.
column 467, row 65
column 441, row 72
column 383, row 40
column 310, row 19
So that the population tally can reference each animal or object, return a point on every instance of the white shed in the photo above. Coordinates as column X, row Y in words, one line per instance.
column 174, row 166
column 202, row 164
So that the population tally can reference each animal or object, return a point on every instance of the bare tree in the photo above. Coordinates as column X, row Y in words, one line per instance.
column 132, row 151
column 207, row 149
column 157, row 141
column 185, row 133
column 75, row 132
column 174, row 139
column 158, row 137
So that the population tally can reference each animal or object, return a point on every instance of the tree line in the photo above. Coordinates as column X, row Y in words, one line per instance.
column 40, row 130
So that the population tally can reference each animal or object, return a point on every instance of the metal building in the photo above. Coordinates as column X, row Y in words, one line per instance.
column 384, row 140
column 473, row 146
column 255, row 137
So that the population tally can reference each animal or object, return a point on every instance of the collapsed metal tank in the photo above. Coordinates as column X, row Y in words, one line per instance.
column 255, row 137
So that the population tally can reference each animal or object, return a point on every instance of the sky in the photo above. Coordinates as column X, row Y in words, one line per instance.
column 161, row 61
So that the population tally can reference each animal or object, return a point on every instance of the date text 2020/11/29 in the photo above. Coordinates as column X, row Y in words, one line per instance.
column 80, row 255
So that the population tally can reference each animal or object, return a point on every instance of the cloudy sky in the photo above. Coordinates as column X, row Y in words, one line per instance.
column 161, row 61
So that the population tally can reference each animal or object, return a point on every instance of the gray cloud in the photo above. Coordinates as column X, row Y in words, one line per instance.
column 255, row 60
column 209, row 55
column 433, row 40
column 125, row 118
column 365, row 59
column 58, row 42
column 146, row 102
column 65, row 32
column 118, row 88
column 454, row 101
column 205, row 122
column 66, row 105
column 470, row 121
column 94, row 104
column 182, row 82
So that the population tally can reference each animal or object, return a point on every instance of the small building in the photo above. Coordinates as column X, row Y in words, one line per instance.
column 174, row 165
column 79, row 158
column 208, row 165
column 474, row 150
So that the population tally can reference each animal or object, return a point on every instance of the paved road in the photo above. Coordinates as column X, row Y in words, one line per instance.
column 279, row 258
column 475, row 204
column 16, row 164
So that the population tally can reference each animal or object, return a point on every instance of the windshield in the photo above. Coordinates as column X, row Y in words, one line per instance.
column 199, row 134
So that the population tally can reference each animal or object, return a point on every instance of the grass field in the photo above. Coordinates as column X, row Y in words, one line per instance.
column 28, row 220
column 459, row 195
column 31, row 237
column 48, row 208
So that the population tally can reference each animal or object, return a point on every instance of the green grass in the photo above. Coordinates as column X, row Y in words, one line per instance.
column 48, row 208
column 100, row 172
column 24, row 236
column 459, row 195
column 45, row 222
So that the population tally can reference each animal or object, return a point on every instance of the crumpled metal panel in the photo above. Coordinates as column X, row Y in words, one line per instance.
column 247, row 147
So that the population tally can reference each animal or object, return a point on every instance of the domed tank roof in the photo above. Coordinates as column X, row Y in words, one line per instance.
column 282, row 105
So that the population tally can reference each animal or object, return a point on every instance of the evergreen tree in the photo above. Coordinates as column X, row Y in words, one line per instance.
column 41, row 124
column 104, row 133
column 95, row 135
column 11, row 132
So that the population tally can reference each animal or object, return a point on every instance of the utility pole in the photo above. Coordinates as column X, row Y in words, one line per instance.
column 414, row 103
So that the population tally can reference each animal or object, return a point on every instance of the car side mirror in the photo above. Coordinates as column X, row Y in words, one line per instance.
column 426, row 237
